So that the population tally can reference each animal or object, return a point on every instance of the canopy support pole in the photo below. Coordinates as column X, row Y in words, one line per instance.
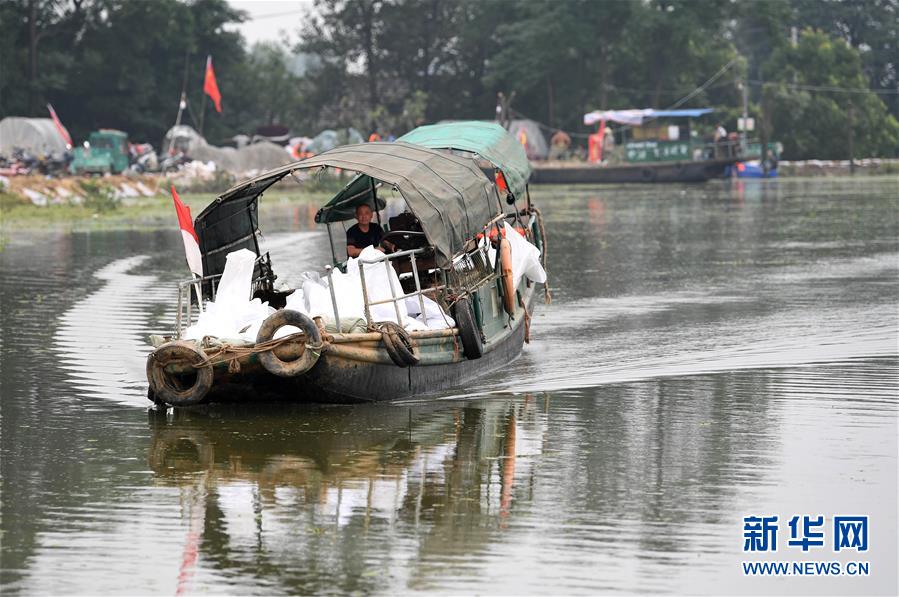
column 331, row 244
column 374, row 200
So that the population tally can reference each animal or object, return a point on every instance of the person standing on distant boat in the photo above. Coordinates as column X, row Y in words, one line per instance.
column 363, row 233
column 720, row 139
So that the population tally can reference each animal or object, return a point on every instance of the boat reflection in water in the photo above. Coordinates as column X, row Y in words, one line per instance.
column 299, row 487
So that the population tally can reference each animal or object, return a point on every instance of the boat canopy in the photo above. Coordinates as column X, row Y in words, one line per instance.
column 450, row 196
column 488, row 140
column 635, row 117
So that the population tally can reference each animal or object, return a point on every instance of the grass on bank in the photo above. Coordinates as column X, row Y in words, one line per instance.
column 130, row 213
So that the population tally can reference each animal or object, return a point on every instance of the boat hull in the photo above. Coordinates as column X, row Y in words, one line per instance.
column 688, row 171
column 357, row 368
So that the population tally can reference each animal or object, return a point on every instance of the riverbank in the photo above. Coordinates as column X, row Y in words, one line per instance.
column 102, row 211
column 866, row 167
column 139, row 213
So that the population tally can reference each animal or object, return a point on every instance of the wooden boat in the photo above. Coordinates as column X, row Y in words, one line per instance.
column 458, row 257
column 656, row 146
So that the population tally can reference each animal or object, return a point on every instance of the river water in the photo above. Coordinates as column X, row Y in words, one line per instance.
column 711, row 353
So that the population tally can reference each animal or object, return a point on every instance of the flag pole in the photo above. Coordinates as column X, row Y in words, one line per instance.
column 182, row 103
column 203, row 95
column 198, row 291
column 202, row 114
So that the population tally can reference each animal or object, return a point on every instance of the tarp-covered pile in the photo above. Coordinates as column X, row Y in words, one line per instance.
column 246, row 160
column 35, row 135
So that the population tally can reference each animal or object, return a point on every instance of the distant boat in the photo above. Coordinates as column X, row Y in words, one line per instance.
column 656, row 149
column 751, row 169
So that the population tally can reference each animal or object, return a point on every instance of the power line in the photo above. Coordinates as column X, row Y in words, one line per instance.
column 828, row 88
column 702, row 87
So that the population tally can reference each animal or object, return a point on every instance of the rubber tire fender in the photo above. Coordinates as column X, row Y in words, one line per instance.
column 399, row 344
column 469, row 334
column 161, row 384
column 267, row 330
column 505, row 261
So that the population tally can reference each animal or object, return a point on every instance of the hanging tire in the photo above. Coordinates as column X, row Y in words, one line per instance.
column 298, row 366
column 469, row 334
column 505, row 259
column 174, row 388
column 399, row 344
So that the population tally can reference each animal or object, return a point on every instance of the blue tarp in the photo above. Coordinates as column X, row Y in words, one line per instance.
column 635, row 117
column 689, row 113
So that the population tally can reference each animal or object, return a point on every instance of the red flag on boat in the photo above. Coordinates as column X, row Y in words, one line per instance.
column 210, row 87
column 62, row 130
column 188, row 235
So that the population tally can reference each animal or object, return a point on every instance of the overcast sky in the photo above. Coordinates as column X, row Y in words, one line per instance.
column 270, row 20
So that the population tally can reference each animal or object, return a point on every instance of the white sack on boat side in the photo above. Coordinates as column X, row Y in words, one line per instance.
column 525, row 258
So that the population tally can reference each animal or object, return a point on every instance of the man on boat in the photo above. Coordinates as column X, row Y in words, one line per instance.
column 363, row 233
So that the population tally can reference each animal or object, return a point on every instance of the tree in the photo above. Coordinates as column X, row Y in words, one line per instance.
column 871, row 27
column 813, row 108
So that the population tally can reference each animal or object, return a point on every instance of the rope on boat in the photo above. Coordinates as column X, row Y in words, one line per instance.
column 527, row 321
column 547, row 295
column 229, row 353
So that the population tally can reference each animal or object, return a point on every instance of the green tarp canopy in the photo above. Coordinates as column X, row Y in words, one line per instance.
column 487, row 139
column 450, row 195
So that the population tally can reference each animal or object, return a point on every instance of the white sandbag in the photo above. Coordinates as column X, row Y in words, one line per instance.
column 348, row 293
column 296, row 301
column 525, row 258
column 381, row 283
column 232, row 314
column 144, row 189
column 35, row 197
column 318, row 300
column 433, row 319
column 230, row 320
column 414, row 325
column 235, row 285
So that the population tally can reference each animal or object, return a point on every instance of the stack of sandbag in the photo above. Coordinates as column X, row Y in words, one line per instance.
column 234, row 316
column 313, row 297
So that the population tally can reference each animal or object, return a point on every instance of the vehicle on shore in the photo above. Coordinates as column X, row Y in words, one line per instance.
column 452, row 242
column 106, row 152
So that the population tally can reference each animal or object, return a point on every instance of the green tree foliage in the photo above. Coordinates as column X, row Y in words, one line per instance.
column 871, row 27
column 389, row 65
column 821, row 123
column 121, row 64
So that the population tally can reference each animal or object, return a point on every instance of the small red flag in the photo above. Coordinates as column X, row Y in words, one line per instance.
column 188, row 235
column 210, row 87
column 62, row 130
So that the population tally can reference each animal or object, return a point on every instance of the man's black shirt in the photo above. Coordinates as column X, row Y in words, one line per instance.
column 360, row 239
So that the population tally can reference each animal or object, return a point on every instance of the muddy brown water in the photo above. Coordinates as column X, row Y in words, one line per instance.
column 711, row 352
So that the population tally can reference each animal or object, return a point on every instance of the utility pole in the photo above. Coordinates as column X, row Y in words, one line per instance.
column 502, row 108
column 181, row 105
column 743, row 137
column 851, row 138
